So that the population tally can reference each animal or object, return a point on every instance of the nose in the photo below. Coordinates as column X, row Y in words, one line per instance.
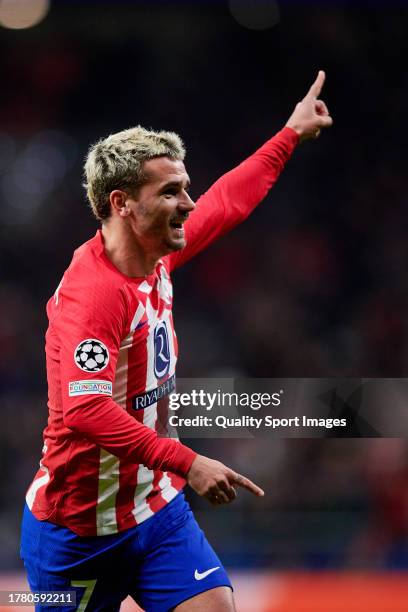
column 186, row 204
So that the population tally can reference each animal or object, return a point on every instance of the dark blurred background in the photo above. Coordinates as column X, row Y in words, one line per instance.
column 313, row 284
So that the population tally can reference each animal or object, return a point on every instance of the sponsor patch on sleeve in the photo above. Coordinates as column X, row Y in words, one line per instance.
column 89, row 387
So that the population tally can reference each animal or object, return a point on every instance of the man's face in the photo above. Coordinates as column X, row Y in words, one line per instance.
column 161, row 206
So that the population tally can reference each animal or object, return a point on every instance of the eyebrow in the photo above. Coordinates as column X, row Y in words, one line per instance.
column 175, row 184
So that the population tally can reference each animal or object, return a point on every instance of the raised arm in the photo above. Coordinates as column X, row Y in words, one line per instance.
column 235, row 195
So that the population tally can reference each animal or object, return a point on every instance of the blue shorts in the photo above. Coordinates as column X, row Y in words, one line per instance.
column 159, row 563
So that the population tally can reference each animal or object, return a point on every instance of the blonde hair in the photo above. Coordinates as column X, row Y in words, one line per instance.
column 116, row 162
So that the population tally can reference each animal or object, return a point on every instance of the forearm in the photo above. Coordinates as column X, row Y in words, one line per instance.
column 107, row 425
column 243, row 188
column 235, row 195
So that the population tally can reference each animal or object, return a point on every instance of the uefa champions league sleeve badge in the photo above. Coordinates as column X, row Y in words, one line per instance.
column 91, row 355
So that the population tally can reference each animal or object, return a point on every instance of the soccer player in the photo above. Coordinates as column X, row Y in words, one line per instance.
column 105, row 515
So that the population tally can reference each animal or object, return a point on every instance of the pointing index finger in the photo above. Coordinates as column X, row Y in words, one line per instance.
column 247, row 484
column 317, row 86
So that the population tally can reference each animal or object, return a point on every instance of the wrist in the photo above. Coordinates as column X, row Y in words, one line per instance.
column 295, row 133
column 183, row 459
column 296, row 129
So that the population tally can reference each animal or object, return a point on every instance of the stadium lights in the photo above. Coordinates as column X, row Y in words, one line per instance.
column 21, row 14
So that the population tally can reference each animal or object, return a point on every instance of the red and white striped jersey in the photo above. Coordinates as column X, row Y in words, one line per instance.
column 111, row 351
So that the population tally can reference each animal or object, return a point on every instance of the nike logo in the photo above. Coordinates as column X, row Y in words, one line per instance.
column 141, row 324
column 200, row 576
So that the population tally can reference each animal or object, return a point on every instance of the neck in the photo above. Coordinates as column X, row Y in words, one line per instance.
column 123, row 250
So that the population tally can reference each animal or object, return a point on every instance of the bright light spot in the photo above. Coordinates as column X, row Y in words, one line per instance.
column 60, row 141
column 20, row 14
column 30, row 176
column 49, row 155
column 34, row 175
column 255, row 14
column 19, row 203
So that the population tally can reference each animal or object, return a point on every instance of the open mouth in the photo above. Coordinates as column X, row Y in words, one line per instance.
column 176, row 224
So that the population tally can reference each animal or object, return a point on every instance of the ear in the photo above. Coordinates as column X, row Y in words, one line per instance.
column 119, row 202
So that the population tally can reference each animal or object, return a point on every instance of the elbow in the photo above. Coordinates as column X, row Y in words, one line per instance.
column 85, row 416
column 70, row 419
